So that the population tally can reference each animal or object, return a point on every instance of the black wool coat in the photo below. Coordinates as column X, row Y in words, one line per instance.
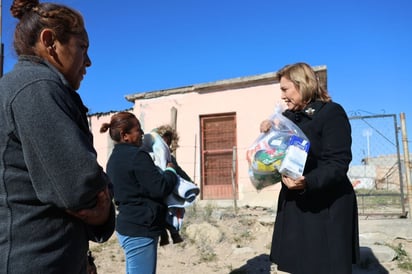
column 316, row 229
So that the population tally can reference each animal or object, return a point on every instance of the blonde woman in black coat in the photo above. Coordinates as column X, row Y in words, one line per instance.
column 316, row 227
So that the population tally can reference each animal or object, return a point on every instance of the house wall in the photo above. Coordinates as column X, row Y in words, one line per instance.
column 101, row 141
column 251, row 105
column 251, row 99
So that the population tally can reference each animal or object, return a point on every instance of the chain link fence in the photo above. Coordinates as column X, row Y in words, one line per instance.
column 376, row 168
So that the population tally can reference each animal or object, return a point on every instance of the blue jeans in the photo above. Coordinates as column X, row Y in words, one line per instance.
column 140, row 252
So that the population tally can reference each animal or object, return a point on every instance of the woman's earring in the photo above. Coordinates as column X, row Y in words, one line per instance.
column 51, row 49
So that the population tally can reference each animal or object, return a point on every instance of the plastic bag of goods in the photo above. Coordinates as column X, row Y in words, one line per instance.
column 281, row 150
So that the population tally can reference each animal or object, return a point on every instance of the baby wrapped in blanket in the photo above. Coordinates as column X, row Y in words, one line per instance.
column 184, row 193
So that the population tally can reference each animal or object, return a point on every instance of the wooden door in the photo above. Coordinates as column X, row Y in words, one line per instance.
column 218, row 137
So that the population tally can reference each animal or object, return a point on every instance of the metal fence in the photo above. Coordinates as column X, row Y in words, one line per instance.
column 376, row 170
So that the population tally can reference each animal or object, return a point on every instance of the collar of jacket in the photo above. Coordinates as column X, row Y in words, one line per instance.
column 39, row 60
column 308, row 112
column 74, row 93
column 124, row 144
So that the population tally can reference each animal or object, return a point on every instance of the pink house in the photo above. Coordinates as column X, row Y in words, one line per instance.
column 217, row 122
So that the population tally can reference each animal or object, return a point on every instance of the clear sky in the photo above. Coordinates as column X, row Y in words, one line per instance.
column 144, row 45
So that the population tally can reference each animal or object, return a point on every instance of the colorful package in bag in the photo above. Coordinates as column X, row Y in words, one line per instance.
column 281, row 150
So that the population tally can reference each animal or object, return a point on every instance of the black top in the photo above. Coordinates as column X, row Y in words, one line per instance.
column 139, row 191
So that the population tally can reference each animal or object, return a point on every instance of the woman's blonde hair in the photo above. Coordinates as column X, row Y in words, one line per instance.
column 306, row 81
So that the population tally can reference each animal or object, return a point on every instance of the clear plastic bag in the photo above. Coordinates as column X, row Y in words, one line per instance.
column 281, row 150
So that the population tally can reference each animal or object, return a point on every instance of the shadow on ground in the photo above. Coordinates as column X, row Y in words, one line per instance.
column 261, row 264
column 256, row 265
column 368, row 263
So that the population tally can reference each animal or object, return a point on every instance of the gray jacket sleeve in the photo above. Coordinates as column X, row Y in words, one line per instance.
column 57, row 146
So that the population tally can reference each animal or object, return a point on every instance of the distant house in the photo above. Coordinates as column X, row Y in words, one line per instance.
column 217, row 122
column 380, row 172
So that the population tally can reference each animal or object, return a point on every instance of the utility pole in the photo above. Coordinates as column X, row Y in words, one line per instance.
column 406, row 160
column 1, row 41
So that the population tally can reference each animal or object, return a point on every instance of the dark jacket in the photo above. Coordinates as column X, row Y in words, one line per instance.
column 47, row 165
column 139, row 191
column 179, row 170
column 316, row 230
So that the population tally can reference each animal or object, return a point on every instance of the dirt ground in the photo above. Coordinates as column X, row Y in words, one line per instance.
column 230, row 243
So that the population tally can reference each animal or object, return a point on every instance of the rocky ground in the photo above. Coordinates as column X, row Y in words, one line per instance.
column 222, row 240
